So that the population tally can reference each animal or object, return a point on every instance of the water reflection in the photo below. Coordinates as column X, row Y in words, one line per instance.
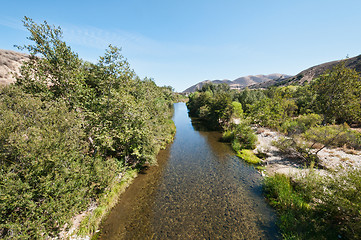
column 199, row 190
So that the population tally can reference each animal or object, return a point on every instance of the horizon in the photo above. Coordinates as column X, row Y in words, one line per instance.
column 182, row 43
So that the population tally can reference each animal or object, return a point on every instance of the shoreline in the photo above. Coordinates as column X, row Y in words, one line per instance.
column 85, row 225
column 277, row 162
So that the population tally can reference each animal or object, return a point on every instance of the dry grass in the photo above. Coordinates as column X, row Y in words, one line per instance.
column 344, row 159
column 317, row 146
column 260, row 130
column 350, row 150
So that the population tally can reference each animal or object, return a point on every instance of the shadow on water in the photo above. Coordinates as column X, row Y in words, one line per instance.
column 199, row 190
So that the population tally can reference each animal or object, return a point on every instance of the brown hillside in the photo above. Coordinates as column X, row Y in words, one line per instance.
column 10, row 62
column 239, row 82
column 311, row 73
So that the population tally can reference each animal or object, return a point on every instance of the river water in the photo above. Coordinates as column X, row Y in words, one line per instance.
column 199, row 190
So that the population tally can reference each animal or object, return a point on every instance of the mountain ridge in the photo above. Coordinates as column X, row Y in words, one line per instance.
column 240, row 82
column 311, row 73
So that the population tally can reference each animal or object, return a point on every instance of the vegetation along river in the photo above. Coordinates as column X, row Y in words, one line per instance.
column 199, row 190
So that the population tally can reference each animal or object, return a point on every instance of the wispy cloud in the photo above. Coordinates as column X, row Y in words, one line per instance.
column 97, row 38
column 170, row 63
column 166, row 61
column 135, row 45
column 13, row 23
column 140, row 46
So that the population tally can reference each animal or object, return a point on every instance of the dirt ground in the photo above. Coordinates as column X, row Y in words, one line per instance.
column 278, row 162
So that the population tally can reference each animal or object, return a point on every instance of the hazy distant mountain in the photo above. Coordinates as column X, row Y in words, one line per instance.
column 240, row 82
column 311, row 73
column 10, row 62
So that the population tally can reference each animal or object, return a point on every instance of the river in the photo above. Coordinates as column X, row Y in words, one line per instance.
column 199, row 190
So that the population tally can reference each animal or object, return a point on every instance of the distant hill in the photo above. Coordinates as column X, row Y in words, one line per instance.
column 311, row 73
column 240, row 82
column 10, row 62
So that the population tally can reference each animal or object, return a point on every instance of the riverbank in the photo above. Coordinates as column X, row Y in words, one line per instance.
column 312, row 203
column 85, row 225
column 277, row 162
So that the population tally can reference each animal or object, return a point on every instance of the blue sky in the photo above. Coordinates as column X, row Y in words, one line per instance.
column 180, row 43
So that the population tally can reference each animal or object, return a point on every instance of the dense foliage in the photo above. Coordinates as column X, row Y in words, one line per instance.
column 69, row 129
column 313, row 116
column 338, row 95
column 318, row 207
column 219, row 108
column 212, row 104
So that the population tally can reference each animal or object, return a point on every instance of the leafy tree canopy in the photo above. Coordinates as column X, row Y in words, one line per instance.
column 339, row 95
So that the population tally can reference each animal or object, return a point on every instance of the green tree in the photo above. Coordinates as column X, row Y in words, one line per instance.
column 339, row 95
column 68, row 131
column 305, row 99
column 248, row 97
column 212, row 104
column 54, row 70
column 46, row 174
column 237, row 110
column 271, row 112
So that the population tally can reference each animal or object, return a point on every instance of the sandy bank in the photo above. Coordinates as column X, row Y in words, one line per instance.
column 278, row 162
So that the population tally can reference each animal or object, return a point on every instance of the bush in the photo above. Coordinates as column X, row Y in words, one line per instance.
column 241, row 136
column 281, row 193
column 295, row 219
column 245, row 135
column 308, row 211
column 301, row 123
column 237, row 110
column 46, row 176
column 295, row 147
column 334, row 135
column 339, row 202
column 236, row 145
column 228, row 136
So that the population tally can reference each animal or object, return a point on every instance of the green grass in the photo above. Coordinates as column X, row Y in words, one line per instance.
column 317, row 207
column 106, row 202
column 248, row 156
column 260, row 168
column 295, row 215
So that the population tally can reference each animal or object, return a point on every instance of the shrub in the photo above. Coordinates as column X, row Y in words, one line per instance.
column 245, row 135
column 294, row 147
column 46, row 175
column 227, row 136
column 334, row 135
column 237, row 110
column 241, row 136
column 339, row 202
column 236, row 145
column 281, row 193
column 301, row 123
column 308, row 211
column 295, row 221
